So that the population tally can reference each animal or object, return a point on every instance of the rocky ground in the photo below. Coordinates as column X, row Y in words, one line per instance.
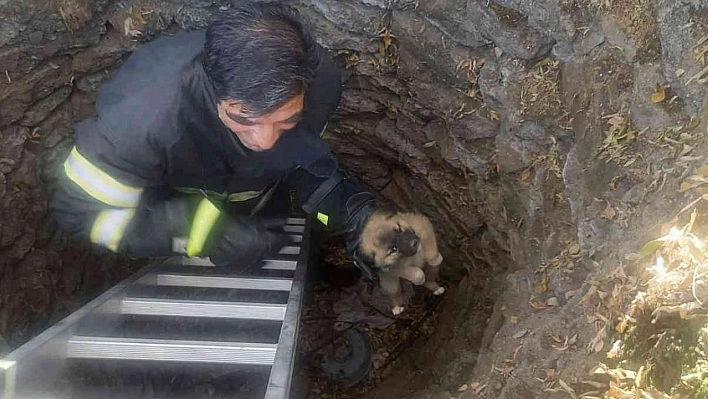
column 548, row 140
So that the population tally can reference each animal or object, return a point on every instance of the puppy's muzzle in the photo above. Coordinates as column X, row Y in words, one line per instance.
column 408, row 243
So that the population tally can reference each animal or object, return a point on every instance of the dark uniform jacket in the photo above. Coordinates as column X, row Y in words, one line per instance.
column 156, row 133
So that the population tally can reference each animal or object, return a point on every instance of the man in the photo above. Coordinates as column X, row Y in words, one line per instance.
column 193, row 134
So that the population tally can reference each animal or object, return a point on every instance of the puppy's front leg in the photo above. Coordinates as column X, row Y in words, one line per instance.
column 431, row 277
column 391, row 285
column 413, row 274
column 428, row 242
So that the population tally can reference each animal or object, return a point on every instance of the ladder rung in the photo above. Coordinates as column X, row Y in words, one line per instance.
column 279, row 264
column 294, row 229
column 187, row 308
column 290, row 250
column 196, row 261
column 237, row 283
column 299, row 221
column 171, row 350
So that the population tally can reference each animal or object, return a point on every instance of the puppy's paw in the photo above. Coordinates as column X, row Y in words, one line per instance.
column 439, row 291
column 397, row 310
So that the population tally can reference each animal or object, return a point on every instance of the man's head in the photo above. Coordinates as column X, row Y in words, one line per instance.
column 260, row 59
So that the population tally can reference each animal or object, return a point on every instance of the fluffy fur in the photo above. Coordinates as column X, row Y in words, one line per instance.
column 401, row 245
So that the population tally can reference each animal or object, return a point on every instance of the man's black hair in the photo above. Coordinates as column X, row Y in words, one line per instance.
column 259, row 55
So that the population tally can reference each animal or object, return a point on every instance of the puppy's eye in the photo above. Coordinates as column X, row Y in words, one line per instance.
column 392, row 251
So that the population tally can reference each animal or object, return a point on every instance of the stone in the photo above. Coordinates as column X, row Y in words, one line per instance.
column 350, row 15
column 13, row 107
column 40, row 110
column 9, row 30
column 676, row 46
column 12, row 140
column 589, row 41
column 476, row 23
column 36, row 37
column 518, row 145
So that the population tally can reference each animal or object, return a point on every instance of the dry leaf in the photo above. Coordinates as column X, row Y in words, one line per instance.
column 520, row 334
column 552, row 301
column 641, row 379
column 129, row 27
column 463, row 388
column 541, row 286
column 694, row 122
column 659, row 95
column 513, row 319
column 538, row 304
column 478, row 388
column 608, row 213
column 598, row 342
column 574, row 249
column 494, row 115
column 622, row 326
column 567, row 388
column 526, row 175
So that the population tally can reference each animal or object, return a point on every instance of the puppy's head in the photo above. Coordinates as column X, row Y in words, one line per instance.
column 386, row 239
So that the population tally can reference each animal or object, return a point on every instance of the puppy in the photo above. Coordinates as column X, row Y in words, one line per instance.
column 401, row 245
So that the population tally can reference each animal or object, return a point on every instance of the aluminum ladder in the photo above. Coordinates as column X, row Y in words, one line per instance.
column 174, row 317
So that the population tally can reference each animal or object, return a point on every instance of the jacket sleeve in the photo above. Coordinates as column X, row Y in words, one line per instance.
column 112, row 194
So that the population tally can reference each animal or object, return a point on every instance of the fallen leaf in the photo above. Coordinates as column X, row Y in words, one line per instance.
column 622, row 326
column 694, row 122
column 520, row 334
column 526, row 175
column 659, row 95
column 513, row 319
column 650, row 247
column 537, row 304
column 608, row 213
column 641, row 379
column 541, row 286
column 686, row 149
column 129, row 27
column 494, row 115
column 463, row 388
column 552, row 301
column 574, row 249
column 598, row 342
column 567, row 388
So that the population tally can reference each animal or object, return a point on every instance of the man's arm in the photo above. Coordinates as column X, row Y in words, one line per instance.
column 111, row 195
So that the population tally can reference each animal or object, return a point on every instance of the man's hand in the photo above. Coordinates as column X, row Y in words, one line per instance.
column 243, row 241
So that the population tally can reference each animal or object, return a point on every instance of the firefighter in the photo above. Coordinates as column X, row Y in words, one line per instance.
column 194, row 133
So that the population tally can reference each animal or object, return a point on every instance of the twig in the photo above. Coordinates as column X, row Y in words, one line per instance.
column 7, row 75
